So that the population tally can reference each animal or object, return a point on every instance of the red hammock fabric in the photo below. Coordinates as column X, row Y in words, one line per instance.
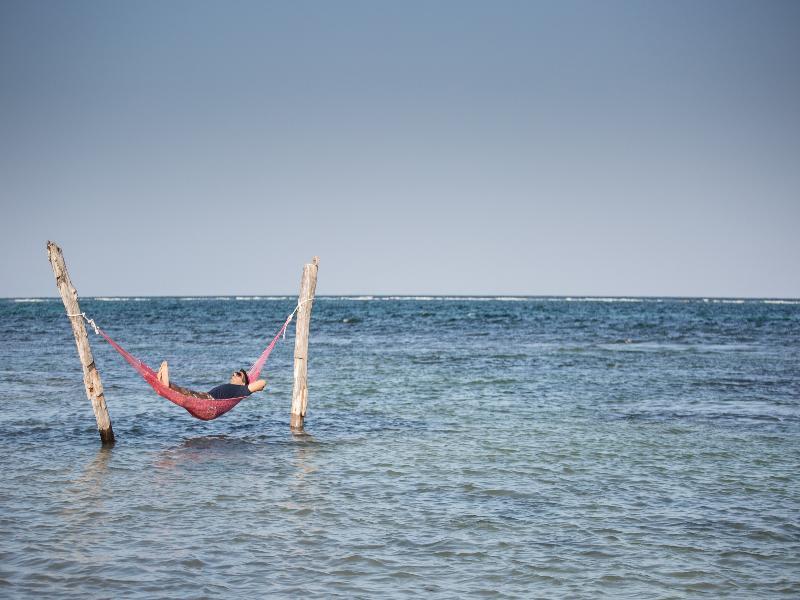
column 200, row 408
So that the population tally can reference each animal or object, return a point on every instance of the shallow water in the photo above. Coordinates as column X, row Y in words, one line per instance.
column 528, row 447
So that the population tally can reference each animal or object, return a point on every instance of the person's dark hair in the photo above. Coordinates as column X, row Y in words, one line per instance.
column 245, row 377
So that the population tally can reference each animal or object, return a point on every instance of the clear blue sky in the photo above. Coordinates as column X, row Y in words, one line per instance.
column 597, row 148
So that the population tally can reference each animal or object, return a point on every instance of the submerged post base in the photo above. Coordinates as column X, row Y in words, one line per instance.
column 107, row 436
column 296, row 422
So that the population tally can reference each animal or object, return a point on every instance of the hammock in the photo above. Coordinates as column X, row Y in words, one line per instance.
column 197, row 406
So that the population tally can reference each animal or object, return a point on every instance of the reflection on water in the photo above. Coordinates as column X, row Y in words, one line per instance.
column 305, row 447
column 200, row 449
column 84, row 497
column 91, row 479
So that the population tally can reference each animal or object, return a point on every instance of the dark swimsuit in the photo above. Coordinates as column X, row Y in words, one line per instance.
column 221, row 392
column 229, row 390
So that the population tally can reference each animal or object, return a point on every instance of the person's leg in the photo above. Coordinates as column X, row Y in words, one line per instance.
column 190, row 393
column 163, row 377
column 163, row 373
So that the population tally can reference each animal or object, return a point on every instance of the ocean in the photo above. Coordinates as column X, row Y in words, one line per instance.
column 454, row 447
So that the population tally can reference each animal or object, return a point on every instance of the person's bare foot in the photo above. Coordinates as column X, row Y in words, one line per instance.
column 163, row 373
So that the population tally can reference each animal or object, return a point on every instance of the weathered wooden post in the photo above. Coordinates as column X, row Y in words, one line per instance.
column 91, row 377
column 308, row 286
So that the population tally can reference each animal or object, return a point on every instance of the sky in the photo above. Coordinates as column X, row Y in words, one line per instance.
column 492, row 148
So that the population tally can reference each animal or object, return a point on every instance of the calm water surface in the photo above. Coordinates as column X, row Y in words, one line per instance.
column 454, row 447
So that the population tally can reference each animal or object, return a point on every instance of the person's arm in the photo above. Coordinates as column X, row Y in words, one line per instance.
column 257, row 386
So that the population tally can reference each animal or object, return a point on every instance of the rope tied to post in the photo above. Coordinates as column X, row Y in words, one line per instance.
column 294, row 312
column 88, row 320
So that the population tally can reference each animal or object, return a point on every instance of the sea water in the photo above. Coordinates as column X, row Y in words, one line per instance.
column 454, row 447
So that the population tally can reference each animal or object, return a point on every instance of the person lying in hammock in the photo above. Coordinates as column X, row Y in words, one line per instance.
column 238, row 386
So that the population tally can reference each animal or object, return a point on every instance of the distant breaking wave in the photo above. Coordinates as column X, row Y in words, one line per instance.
column 269, row 298
column 600, row 299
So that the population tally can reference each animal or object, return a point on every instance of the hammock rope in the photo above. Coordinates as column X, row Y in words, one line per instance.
column 199, row 405
column 88, row 320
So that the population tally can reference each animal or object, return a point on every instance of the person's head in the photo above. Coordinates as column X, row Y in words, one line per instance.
column 240, row 377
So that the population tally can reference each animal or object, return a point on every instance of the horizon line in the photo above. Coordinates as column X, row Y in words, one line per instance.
column 416, row 295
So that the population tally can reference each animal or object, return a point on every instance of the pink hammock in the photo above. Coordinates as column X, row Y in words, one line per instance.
column 201, row 408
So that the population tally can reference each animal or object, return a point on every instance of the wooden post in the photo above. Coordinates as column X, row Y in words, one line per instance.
column 308, row 286
column 91, row 377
